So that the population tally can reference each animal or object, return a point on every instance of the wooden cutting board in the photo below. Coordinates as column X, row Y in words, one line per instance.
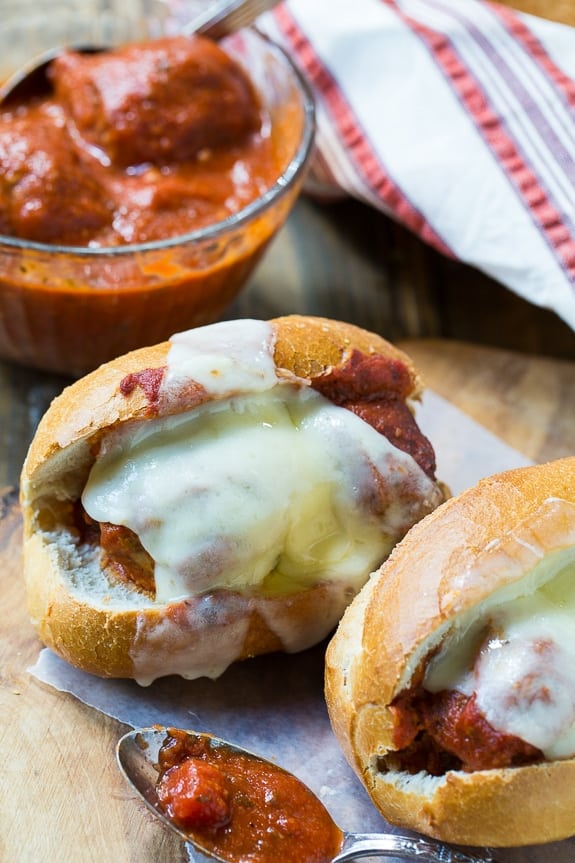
column 63, row 798
column 556, row 10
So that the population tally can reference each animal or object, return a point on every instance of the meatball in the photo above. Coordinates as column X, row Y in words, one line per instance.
column 160, row 102
column 46, row 194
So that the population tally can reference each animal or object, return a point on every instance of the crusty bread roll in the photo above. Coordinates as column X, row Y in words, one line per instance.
column 450, row 680
column 219, row 496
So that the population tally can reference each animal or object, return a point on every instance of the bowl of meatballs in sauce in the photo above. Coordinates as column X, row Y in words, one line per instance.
column 140, row 188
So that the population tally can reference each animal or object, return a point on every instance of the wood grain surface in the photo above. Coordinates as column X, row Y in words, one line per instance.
column 555, row 10
column 527, row 401
column 62, row 798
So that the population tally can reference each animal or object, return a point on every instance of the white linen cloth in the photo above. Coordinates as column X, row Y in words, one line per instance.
column 455, row 117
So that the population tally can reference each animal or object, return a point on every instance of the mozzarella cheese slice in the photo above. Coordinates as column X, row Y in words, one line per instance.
column 267, row 486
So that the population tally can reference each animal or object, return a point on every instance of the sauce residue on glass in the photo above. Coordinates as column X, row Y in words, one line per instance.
column 241, row 807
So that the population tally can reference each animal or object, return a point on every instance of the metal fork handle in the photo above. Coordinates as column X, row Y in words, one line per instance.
column 357, row 845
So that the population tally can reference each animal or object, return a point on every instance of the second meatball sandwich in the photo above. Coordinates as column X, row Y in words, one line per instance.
column 221, row 495
column 451, row 678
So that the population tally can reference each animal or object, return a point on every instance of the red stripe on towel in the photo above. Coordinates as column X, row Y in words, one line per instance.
column 472, row 95
column 366, row 162
column 522, row 34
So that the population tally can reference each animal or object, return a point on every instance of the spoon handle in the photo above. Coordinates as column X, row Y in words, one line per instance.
column 227, row 17
column 358, row 845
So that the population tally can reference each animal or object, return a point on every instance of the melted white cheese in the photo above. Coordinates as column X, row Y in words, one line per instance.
column 270, row 489
column 200, row 638
column 518, row 656
column 230, row 356
column 266, row 488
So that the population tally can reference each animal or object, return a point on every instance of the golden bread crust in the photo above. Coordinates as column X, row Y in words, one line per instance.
column 473, row 544
column 305, row 346
column 91, row 404
column 498, row 808
column 71, row 626
column 98, row 628
column 74, row 626
column 309, row 346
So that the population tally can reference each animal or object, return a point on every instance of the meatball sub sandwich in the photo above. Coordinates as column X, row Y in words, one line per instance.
column 221, row 495
column 450, row 680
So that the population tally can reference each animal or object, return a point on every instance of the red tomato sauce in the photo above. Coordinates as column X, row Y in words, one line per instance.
column 142, row 144
column 446, row 730
column 241, row 807
column 148, row 141
column 375, row 388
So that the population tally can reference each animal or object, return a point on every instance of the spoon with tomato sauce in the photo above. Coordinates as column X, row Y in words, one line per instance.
column 234, row 806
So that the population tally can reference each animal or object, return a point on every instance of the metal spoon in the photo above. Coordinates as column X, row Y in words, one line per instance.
column 137, row 755
column 218, row 20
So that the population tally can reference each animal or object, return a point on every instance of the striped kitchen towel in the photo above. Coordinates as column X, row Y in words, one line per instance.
column 455, row 117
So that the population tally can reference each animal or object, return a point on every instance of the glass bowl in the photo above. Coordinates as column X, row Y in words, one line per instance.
column 67, row 309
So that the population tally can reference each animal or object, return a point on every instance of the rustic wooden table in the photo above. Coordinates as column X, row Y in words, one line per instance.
column 62, row 798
